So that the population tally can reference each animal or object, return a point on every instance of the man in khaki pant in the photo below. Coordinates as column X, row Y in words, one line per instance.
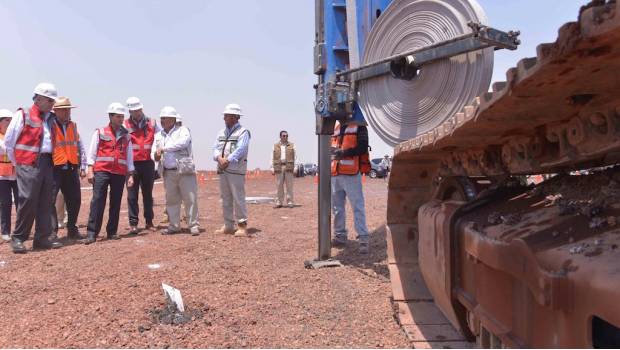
column 283, row 163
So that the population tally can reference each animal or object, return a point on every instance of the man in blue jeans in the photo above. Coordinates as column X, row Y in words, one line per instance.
column 349, row 150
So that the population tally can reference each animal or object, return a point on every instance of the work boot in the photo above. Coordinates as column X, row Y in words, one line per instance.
column 242, row 231
column 339, row 241
column 170, row 231
column 149, row 226
column 6, row 237
column 133, row 231
column 90, row 238
column 364, row 248
column 53, row 236
column 195, row 231
column 75, row 234
column 44, row 244
column 113, row 237
column 277, row 206
column 18, row 246
column 291, row 205
column 225, row 231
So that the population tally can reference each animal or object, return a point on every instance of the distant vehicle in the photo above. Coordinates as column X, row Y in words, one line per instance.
column 377, row 169
column 311, row 169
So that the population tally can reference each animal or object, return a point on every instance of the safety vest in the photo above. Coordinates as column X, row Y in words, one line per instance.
column 348, row 165
column 289, row 156
column 29, row 141
column 66, row 145
column 227, row 145
column 141, row 139
column 6, row 167
column 112, row 152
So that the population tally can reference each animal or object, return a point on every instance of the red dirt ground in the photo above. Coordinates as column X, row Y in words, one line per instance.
column 253, row 292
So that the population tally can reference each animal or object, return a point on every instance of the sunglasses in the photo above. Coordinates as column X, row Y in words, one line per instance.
column 284, row 135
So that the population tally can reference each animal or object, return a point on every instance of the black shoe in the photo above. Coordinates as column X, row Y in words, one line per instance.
column 44, row 244
column 53, row 237
column 18, row 246
column 91, row 238
column 113, row 237
column 150, row 227
column 75, row 234
column 339, row 241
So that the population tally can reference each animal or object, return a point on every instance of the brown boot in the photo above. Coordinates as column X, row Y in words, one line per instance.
column 225, row 231
column 242, row 231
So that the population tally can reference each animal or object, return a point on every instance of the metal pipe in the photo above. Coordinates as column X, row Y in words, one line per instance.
column 325, row 197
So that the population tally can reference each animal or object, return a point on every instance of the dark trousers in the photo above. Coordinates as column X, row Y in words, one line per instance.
column 35, row 199
column 8, row 194
column 97, row 204
column 67, row 181
column 143, row 178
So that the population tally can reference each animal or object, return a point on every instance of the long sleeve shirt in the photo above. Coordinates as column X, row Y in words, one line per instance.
column 177, row 139
column 94, row 147
column 240, row 152
column 15, row 129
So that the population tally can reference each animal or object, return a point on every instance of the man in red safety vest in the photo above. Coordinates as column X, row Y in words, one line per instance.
column 110, row 164
column 29, row 146
column 142, row 131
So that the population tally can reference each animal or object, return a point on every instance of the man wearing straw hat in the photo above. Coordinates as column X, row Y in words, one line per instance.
column 70, row 164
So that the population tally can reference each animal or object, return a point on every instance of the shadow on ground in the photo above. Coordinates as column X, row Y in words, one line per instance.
column 376, row 260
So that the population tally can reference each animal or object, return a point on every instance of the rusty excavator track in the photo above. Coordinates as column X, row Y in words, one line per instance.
column 472, row 254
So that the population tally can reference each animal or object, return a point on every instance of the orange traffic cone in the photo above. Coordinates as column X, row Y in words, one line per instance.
column 363, row 178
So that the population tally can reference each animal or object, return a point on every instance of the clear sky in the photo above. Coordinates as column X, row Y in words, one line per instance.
column 200, row 55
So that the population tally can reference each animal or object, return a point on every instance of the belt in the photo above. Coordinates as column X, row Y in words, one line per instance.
column 170, row 169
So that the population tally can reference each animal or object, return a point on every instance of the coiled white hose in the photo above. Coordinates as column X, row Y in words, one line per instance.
column 399, row 110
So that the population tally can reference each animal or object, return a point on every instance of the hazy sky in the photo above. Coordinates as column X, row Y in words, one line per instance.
column 199, row 56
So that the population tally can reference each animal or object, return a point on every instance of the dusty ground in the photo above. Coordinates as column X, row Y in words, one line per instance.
column 253, row 292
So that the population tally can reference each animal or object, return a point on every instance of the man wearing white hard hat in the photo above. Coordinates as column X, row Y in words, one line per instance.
column 142, row 131
column 110, row 165
column 231, row 154
column 173, row 151
column 8, row 181
column 29, row 145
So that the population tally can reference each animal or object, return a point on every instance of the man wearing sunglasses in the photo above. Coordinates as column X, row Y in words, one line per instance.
column 29, row 146
column 283, row 163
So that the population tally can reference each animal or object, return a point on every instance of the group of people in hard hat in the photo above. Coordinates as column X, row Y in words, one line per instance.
column 42, row 155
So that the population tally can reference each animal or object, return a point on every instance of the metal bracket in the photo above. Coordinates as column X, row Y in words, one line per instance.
column 406, row 65
column 319, row 264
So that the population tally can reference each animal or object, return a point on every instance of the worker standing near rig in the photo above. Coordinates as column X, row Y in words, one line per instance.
column 350, row 160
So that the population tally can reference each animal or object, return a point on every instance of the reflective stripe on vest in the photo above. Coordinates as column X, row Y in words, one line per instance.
column 29, row 140
column 348, row 140
column 6, row 167
column 111, row 152
column 141, row 139
column 66, row 145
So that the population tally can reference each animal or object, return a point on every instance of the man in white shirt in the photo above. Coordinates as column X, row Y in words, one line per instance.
column 110, row 164
column 28, row 142
column 173, row 144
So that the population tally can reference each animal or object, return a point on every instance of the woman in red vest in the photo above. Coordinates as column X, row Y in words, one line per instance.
column 110, row 164
column 8, row 181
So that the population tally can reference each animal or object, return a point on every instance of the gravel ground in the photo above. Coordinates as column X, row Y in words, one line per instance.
column 246, row 292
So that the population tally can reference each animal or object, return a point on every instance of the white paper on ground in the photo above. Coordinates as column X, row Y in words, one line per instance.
column 174, row 295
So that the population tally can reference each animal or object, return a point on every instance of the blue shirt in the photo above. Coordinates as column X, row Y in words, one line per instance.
column 240, row 152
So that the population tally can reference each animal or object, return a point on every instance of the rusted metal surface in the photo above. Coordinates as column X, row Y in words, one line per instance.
column 514, row 272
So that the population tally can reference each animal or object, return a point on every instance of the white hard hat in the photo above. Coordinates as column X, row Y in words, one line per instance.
column 116, row 108
column 168, row 112
column 134, row 104
column 179, row 118
column 5, row 113
column 232, row 108
column 47, row 90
